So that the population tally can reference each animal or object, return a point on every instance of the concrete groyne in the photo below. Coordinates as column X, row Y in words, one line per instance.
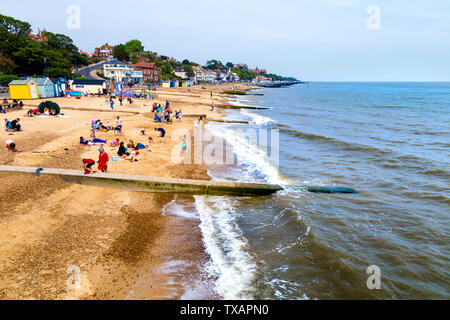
column 151, row 184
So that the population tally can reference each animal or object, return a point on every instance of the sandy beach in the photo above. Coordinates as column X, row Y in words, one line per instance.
column 50, row 229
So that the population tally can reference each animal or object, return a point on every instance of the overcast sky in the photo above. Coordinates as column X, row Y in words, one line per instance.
column 313, row 40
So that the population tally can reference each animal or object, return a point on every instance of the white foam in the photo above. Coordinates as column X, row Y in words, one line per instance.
column 257, row 118
column 250, row 155
column 233, row 264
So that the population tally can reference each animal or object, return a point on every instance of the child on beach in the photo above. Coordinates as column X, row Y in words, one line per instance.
column 163, row 133
column 11, row 146
column 87, row 165
column 111, row 104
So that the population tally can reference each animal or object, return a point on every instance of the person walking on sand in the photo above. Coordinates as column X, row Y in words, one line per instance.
column 103, row 160
column 111, row 103
column 163, row 133
column 184, row 146
column 213, row 106
column 120, row 100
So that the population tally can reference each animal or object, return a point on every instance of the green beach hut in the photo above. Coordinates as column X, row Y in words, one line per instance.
column 45, row 87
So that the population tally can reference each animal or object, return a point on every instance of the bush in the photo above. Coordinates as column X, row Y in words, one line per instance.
column 5, row 80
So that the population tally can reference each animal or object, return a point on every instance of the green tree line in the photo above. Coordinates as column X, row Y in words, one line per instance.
column 21, row 56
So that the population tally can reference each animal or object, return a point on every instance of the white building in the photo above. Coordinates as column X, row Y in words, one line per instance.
column 121, row 72
column 180, row 72
column 204, row 75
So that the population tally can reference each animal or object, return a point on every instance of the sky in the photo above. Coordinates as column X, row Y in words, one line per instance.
column 312, row 40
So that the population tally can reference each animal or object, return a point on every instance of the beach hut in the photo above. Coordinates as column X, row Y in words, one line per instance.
column 23, row 89
column 59, row 86
column 89, row 85
column 45, row 87
column 166, row 84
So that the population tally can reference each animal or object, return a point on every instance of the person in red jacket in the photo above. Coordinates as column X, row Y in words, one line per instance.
column 88, row 164
column 103, row 160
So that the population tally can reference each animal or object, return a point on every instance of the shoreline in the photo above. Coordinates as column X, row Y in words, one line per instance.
column 114, row 237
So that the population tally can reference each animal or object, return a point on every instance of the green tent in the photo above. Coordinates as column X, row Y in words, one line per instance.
column 50, row 105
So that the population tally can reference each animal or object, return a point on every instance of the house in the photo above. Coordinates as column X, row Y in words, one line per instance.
column 89, row 85
column 204, row 75
column 121, row 72
column 105, row 52
column 39, row 37
column 180, row 72
column 241, row 65
column 23, row 89
column 59, row 86
column 260, row 78
column 258, row 71
column 150, row 71
column 45, row 87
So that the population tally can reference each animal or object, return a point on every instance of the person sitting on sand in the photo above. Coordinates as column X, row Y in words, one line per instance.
column 103, row 159
column 118, row 127
column 15, row 125
column 143, row 132
column 94, row 139
column 87, row 165
column 114, row 143
column 122, row 150
column 29, row 114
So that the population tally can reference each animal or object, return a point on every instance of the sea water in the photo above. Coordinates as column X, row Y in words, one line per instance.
column 388, row 141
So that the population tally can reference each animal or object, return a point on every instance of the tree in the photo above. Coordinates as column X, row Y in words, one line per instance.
column 215, row 65
column 134, row 48
column 230, row 65
column 16, row 27
column 120, row 53
column 185, row 62
column 6, row 64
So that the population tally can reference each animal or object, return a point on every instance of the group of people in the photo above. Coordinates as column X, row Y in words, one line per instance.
column 15, row 104
column 103, row 160
column 97, row 125
column 165, row 115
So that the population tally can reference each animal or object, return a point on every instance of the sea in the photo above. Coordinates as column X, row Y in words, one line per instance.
column 390, row 142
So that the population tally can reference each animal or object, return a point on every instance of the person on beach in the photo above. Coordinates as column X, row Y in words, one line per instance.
column 11, row 146
column 184, row 146
column 167, row 104
column 120, row 100
column 103, row 159
column 162, row 133
column 87, row 165
column 94, row 139
column 213, row 106
column 111, row 103
column 122, row 150
column 83, row 141
column 15, row 125
column 118, row 127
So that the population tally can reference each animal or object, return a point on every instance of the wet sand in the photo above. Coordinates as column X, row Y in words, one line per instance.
column 50, row 229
